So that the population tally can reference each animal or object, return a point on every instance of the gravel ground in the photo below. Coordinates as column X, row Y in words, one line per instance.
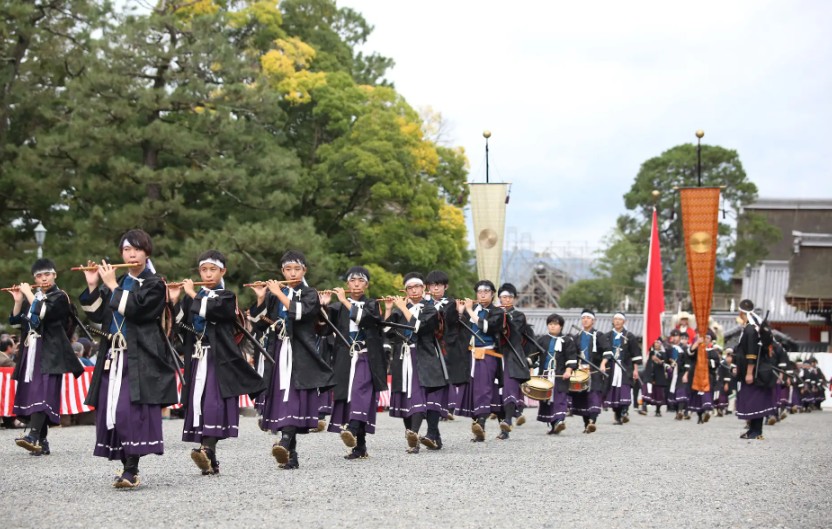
column 653, row 472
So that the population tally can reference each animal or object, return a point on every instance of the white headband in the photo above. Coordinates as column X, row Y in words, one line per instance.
column 358, row 276
column 619, row 315
column 44, row 271
column 215, row 262
column 413, row 281
column 484, row 288
column 591, row 315
column 506, row 293
column 292, row 261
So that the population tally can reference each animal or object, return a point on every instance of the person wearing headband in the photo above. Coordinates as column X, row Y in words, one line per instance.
column 560, row 361
column 593, row 348
column 624, row 359
column 46, row 354
column 134, row 376
column 419, row 376
column 515, row 365
column 216, row 371
column 451, row 342
column 482, row 329
column 755, row 396
column 361, row 367
column 301, row 378
column 726, row 383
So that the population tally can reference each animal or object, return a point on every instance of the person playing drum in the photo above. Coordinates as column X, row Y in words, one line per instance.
column 594, row 348
column 560, row 361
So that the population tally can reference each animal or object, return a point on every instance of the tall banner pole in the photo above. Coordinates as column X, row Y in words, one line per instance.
column 700, row 223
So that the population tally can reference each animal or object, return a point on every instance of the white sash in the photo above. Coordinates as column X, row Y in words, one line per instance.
column 200, row 377
column 407, row 369
column 31, row 355
column 118, row 346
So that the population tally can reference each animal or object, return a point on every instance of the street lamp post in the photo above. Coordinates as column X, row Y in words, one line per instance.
column 699, row 134
column 40, row 236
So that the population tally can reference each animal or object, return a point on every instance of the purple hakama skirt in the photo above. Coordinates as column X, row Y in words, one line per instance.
column 138, row 427
column 402, row 405
column 220, row 417
column 619, row 397
column 656, row 397
column 587, row 403
column 363, row 403
column 754, row 402
column 479, row 393
column 509, row 393
column 554, row 410
column 721, row 402
column 455, row 395
column 41, row 394
column 701, row 401
column 299, row 410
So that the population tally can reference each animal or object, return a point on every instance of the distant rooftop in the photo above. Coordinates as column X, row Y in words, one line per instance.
column 791, row 203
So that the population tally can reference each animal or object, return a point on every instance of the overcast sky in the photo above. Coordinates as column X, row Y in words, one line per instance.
column 578, row 94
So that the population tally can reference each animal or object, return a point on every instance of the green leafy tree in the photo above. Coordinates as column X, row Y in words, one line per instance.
column 627, row 250
column 45, row 45
column 599, row 294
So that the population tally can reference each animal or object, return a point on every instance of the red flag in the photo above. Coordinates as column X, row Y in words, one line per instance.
column 653, row 292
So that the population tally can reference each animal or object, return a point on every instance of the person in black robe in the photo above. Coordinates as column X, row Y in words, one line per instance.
column 450, row 336
column 482, row 327
column 216, row 371
column 301, row 377
column 755, row 373
column 701, row 402
column 135, row 373
column 420, row 380
column 623, row 362
column 655, row 379
column 724, row 378
column 46, row 354
column 594, row 353
column 557, row 365
column 360, row 366
column 515, row 365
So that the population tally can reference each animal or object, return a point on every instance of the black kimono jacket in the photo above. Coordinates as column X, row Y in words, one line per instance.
column 151, row 373
column 566, row 357
column 309, row 369
column 429, row 360
column 713, row 365
column 749, row 352
column 56, row 356
column 490, row 326
column 235, row 376
column 655, row 371
column 518, row 366
column 602, row 348
column 628, row 354
column 368, row 319
column 452, row 337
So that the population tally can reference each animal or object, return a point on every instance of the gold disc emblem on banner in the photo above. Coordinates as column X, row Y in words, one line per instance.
column 488, row 238
column 700, row 242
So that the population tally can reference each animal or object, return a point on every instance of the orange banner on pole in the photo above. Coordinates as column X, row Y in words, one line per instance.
column 700, row 222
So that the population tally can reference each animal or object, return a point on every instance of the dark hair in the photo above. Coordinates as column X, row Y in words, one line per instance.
column 676, row 332
column 137, row 239
column 410, row 275
column 213, row 254
column 555, row 317
column 711, row 333
column 485, row 283
column 358, row 270
column 508, row 287
column 437, row 277
column 293, row 255
column 42, row 264
column 684, row 335
column 5, row 343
